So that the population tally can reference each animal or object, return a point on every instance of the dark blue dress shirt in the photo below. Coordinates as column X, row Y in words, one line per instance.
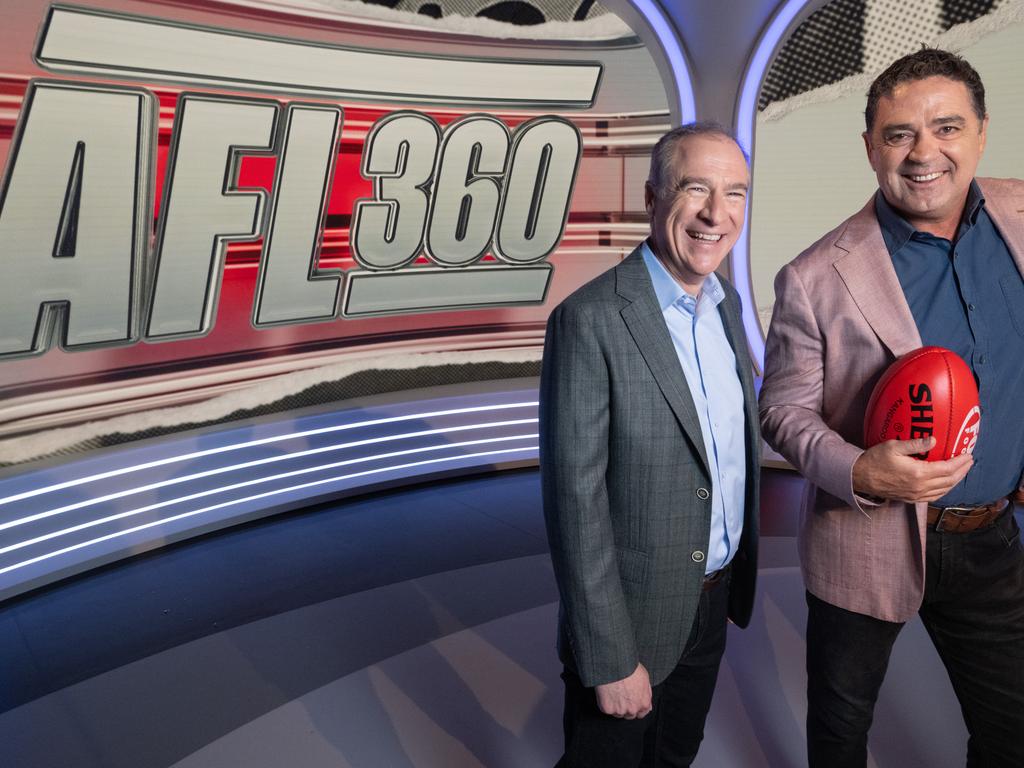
column 968, row 296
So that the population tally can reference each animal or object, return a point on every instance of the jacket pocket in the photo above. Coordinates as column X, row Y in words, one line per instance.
column 632, row 565
column 836, row 542
column 1013, row 290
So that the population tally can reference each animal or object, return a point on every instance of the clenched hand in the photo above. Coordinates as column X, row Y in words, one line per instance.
column 629, row 698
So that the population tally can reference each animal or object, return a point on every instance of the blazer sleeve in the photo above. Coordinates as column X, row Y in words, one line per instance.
column 791, row 394
column 574, row 424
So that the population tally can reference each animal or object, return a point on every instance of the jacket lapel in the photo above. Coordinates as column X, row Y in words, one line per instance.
column 646, row 325
column 1007, row 213
column 866, row 268
column 732, row 321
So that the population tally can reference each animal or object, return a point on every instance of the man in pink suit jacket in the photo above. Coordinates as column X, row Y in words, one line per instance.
column 936, row 257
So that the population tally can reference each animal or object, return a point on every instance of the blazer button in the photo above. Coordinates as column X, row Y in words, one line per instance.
column 697, row 556
column 702, row 494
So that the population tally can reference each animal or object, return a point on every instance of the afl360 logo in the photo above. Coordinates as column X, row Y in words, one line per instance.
column 83, row 266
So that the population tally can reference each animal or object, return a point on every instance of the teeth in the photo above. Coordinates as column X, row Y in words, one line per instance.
column 705, row 236
column 928, row 177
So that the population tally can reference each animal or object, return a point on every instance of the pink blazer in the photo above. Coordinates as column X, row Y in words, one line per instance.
column 840, row 319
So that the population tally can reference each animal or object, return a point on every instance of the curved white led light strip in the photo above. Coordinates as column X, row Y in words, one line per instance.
column 266, row 494
column 249, row 464
column 746, row 115
column 257, row 481
column 250, row 443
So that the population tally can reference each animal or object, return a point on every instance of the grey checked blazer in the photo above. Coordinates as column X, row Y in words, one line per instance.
column 624, row 477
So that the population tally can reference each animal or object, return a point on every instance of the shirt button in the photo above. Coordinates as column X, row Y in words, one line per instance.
column 702, row 494
column 970, row 307
column 697, row 556
column 981, row 359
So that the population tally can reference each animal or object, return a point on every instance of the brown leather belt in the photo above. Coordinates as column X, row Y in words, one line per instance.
column 714, row 578
column 965, row 519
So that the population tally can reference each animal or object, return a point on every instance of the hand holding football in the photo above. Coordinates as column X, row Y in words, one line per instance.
column 929, row 392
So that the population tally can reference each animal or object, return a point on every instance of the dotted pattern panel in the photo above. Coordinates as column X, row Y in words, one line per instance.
column 894, row 28
column 953, row 12
column 826, row 48
column 848, row 37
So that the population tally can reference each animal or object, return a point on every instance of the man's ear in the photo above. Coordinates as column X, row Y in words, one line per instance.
column 649, row 198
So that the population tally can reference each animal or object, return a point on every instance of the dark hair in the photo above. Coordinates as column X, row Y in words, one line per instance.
column 927, row 62
column 664, row 152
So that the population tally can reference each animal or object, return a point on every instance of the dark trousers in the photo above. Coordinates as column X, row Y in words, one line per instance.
column 672, row 732
column 973, row 610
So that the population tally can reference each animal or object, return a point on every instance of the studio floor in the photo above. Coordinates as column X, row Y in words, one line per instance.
column 410, row 629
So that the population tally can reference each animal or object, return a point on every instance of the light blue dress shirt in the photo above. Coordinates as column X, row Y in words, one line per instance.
column 709, row 365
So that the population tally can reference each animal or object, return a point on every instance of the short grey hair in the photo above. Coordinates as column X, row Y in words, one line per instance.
column 664, row 152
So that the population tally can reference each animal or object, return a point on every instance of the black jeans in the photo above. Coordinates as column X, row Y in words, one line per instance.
column 671, row 734
column 973, row 610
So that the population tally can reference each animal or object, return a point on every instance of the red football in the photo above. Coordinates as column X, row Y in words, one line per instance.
column 927, row 392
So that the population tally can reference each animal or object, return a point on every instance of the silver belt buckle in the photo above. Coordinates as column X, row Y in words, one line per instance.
column 962, row 511
column 955, row 510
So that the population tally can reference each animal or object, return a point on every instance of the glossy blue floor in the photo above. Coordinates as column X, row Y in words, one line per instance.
column 411, row 629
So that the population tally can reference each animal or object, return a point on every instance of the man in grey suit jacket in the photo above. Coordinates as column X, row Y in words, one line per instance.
column 650, row 468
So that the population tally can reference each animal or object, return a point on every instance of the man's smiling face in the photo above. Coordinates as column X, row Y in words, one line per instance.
column 924, row 148
column 698, row 214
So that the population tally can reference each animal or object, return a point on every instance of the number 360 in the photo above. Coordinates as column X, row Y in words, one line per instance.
column 455, row 195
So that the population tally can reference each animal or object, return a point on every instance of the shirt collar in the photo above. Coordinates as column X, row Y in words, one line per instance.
column 896, row 230
column 669, row 292
column 975, row 202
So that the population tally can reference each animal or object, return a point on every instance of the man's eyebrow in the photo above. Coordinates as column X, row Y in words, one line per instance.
column 897, row 127
column 686, row 180
column 944, row 120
